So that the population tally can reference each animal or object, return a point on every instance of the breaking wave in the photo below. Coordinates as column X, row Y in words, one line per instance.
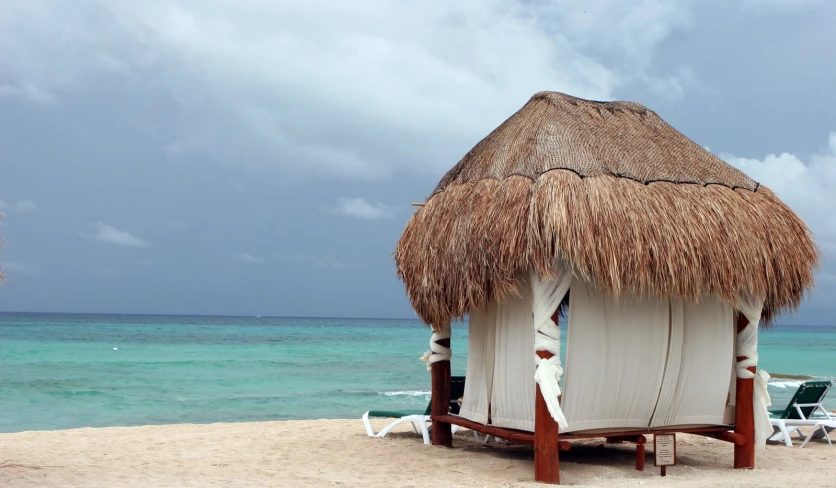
column 410, row 393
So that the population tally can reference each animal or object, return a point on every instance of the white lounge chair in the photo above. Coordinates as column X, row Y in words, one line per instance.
column 418, row 418
column 805, row 409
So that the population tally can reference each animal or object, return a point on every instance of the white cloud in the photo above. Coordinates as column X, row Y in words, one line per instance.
column 112, row 235
column 22, row 206
column 361, row 209
column 249, row 258
column 357, row 89
column 19, row 267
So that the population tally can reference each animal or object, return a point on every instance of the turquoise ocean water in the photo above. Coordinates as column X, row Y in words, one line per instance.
column 67, row 371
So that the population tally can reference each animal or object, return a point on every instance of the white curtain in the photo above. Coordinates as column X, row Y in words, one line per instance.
column 501, row 362
column 500, row 374
column 700, row 351
column 615, row 359
column 480, row 363
column 512, row 395
column 630, row 363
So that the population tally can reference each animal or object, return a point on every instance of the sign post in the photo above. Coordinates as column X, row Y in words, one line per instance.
column 664, row 450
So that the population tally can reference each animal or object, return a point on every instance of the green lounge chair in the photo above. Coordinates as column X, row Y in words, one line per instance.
column 418, row 418
column 805, row 409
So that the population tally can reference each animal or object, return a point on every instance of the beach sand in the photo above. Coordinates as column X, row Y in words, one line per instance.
column 320, row 453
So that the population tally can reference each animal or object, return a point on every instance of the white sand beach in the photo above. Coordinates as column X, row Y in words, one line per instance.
column 320, row 453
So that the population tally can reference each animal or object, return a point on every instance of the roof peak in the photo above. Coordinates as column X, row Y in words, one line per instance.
column 560, row 97
column 619, row 139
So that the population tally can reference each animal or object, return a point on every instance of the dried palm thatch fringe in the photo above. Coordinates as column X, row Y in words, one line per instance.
column 626, row 201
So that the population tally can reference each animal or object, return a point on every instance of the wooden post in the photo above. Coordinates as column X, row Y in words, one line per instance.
column 640, row 440
column 546, row 436
column 442, row 431
column 744, row 413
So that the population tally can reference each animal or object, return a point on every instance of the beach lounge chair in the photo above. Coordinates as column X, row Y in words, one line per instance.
column 805, row 409
column 418, row 418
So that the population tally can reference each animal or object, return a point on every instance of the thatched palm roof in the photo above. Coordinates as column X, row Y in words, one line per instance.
column 627, row 201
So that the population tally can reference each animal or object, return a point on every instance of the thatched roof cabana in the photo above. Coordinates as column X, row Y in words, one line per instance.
column 623, row 198
column 674, row 257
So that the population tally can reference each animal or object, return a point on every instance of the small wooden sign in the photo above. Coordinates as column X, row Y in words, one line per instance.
column 664, row 450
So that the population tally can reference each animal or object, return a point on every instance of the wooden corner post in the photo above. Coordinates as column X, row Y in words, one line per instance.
column 546, row 436
column 744, row 412
column 440, row 399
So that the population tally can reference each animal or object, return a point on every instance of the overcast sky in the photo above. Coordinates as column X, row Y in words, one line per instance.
column 259, row 157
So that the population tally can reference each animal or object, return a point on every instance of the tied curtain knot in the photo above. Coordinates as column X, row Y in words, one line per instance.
column 747, row 346
column 437, row 352
column 547, row 295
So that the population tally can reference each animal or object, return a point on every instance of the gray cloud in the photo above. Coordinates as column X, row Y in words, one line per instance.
column 21, row 206
column 26, row 92
column 139, row 262
column 268, row 95
column 780, row 6
column 18, row 267
column 249, row 258
column 106, row 271
column 318, row 262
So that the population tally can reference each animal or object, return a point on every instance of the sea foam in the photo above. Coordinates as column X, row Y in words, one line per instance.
column 411, row 393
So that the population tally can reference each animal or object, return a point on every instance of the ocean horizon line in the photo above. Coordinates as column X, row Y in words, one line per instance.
column 144, row 314
column 323, row 317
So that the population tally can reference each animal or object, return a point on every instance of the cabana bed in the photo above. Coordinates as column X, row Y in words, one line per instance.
column 664, row 259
